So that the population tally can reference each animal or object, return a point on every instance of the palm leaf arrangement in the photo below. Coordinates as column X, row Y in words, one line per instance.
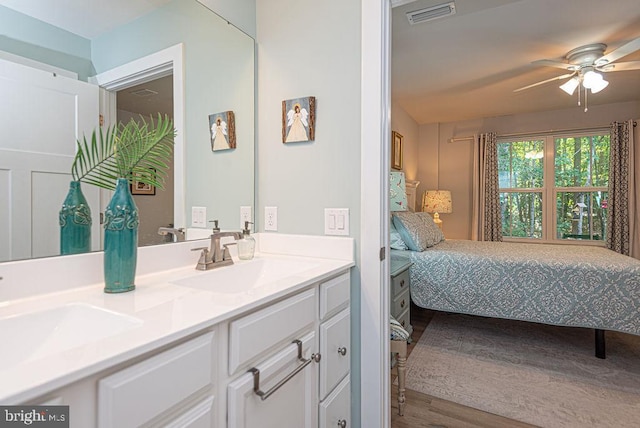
column 137, row 150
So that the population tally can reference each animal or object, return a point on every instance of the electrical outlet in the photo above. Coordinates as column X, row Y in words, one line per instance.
column 245, row 215
column 271, row 218
column 198, row 217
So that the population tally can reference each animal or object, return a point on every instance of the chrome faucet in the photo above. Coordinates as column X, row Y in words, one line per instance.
column 178, row 234
column 217, row 255
column 221, row 254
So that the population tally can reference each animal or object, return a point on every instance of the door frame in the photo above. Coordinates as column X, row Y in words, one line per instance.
column 160, row 64
column 375, row 142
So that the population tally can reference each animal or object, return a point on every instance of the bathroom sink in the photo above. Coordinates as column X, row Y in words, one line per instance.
column 39, row 334
column 245, row 276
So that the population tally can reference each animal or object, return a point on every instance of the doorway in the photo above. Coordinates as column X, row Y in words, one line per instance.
column 155, row 206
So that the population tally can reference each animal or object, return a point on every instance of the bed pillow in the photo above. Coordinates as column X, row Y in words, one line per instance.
column 417, row 230
column 395, row 240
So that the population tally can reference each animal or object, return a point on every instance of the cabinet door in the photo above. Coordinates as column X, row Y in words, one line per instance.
column 335, row 411
column 294, row 404
column 335, row 341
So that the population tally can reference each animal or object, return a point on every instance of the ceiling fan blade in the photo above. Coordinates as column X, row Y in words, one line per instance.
column 551, row 63
column 621, row 66
column 564, row 76
column 622, row 51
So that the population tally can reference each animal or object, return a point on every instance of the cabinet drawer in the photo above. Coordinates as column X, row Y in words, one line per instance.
column 400, row 303
column 404, row 319
column 335, row 349
column 400, row 283
column 334, row 295
column 199, row 416
column 293, row 404
column 256, row 333
column 337, row 406
column 138, row 393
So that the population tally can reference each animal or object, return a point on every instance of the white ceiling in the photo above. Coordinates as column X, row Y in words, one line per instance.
column 86, row 18
column 466, row 66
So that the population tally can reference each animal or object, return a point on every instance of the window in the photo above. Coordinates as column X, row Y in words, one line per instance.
column 554, row 187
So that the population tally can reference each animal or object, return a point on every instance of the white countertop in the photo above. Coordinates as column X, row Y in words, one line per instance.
column 166, row 313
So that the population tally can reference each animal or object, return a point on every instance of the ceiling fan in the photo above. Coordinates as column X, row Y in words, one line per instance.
column 586, row 65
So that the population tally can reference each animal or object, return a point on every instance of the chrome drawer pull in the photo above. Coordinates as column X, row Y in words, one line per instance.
column 342, row 423
column 402, row 283
column 256, row 373
column 342, row 351
column 402, row 303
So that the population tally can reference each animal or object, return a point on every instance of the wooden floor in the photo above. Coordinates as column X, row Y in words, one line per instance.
column 426, row 411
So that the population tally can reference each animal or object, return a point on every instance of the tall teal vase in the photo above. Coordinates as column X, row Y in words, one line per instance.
column 75, row 222
column 120, row 240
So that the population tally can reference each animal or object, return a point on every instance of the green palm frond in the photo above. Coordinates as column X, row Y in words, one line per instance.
column 95, row 163
column 137, row 151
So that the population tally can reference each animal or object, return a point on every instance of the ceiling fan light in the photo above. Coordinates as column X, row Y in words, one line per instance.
column 591, row 79
column 599, row 85
column 570, row 85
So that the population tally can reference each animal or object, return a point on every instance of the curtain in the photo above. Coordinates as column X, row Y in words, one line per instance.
column 623, row 217
column 487, row 222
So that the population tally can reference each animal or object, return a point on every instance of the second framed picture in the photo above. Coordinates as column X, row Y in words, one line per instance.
column 298, row 119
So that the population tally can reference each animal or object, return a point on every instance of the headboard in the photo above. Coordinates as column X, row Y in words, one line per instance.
column 411, row 187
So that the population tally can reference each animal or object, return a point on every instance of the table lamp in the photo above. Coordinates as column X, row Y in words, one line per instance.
column 437, row 202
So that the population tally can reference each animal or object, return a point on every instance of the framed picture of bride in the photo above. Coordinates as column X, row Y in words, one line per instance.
column 223, row 131
column 298, row 119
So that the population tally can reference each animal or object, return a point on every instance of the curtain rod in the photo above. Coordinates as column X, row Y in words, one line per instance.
column 456, row 139
column 549, row 132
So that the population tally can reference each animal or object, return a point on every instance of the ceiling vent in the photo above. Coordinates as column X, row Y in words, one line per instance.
column 431, row 13
column 144, row 92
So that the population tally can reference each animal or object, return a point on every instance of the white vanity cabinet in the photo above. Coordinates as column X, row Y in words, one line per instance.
column 304, row 383
column 285, row 363
column 335, row 348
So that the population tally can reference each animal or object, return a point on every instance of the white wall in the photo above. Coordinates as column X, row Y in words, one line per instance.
column 312, row 48
column 454, row 164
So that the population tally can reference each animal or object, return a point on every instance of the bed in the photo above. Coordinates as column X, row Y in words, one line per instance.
column 566, row 285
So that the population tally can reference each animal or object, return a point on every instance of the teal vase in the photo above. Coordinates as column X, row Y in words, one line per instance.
column 75, row 222
column 120, row 240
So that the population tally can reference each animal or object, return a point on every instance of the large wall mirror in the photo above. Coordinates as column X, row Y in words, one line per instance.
column 61, row 70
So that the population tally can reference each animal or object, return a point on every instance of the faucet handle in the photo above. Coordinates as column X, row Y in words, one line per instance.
column 204, row 259
column 225, row 253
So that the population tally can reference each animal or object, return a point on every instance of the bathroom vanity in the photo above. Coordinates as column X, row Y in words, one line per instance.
column 261, row 343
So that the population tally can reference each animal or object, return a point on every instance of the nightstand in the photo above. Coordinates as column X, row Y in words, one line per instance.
column 400, row 293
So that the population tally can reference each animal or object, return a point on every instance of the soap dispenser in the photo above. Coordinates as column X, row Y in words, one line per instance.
column 246, row 245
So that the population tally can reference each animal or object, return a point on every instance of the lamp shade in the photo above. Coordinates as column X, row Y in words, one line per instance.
column 437, row 201
column 570, row 85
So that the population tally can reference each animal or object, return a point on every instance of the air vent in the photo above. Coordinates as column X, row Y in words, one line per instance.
column 431, row 13
column 144, row 93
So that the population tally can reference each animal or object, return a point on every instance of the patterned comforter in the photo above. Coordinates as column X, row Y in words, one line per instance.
column 579, row 286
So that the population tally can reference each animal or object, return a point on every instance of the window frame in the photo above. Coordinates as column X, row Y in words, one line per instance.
column 549, row 191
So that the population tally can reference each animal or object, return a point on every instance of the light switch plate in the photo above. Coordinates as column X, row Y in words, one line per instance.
column 198, row 217
column 336, row 221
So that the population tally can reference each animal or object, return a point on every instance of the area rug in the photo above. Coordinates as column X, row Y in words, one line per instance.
column 538, row 374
